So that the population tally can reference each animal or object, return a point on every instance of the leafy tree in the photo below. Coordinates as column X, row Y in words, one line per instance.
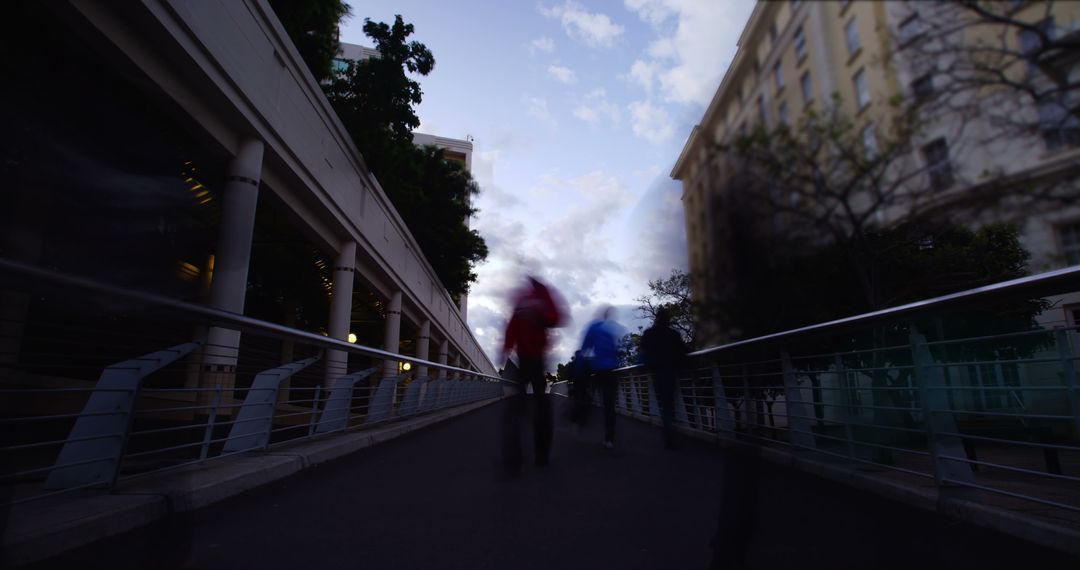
column 672, row 292
column 562, row 371
column 820, row 226
column 375, row 100
column 629, row 349
column 312, row 26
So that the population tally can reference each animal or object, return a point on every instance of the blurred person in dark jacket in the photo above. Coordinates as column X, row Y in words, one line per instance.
column 664, row 354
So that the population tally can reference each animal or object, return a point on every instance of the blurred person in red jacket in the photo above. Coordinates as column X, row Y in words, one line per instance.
column 537, row 309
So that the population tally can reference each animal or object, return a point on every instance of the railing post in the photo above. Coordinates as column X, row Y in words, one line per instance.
column 950, row 474
column 724, row 424
column 849, row 407
column 314, row 410
column 85, row 460
column 1068, row 367
column 797, row 416
column 622, row 386
column 748, row 405
column 635, row 396
column 211, row 419
column 255, row 422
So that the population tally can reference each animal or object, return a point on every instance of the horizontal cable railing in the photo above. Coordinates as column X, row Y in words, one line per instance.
column 958, row 391
column 100, row 384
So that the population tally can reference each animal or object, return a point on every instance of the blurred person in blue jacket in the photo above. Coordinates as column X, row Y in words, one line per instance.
column 601, row 351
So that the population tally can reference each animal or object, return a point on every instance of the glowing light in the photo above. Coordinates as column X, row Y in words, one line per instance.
column 406, row 367
column 352, row 338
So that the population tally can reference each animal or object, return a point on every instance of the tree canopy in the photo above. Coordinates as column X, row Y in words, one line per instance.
column 312, row 26
column 820, row 226
column 375, row 100
column 672, row 292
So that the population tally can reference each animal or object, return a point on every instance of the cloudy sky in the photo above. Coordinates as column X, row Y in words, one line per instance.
column 578, row 110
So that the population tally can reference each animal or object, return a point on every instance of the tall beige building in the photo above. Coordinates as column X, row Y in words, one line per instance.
column 794, row 55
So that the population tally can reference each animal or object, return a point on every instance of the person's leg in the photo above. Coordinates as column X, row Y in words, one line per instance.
column 583, row 399
column 609, row 384
column 579, row 400
column 512, row 416
column 543, row 426
column 664, row 384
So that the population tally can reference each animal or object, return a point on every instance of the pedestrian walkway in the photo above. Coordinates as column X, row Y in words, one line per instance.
column 433, row 499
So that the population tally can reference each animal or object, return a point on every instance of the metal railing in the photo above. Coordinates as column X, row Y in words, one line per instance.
column 100, row 384
column 958, row 390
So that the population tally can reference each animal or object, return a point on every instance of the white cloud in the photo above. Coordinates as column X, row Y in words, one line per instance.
column 587, row 114
column 541, row 44
column 537, row 108
column 644, row 73
column 695, row 44
column 596, row 106
column 592, row 28
column 563, row 74
column 651, row 122
column 571, row 247
column 654, row 12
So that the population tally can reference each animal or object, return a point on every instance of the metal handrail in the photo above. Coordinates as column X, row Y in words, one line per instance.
column 219, row 317
column 1032, row 284
column 933, row 424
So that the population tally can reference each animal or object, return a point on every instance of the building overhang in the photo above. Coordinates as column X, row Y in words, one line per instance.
column 680, row 165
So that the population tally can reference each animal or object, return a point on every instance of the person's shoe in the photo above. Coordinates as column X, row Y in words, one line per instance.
column 608, row 444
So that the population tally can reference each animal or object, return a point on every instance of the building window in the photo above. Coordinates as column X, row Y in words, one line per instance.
column 844, row 4
column 783, row 113
column 762, row 116
column 923, row 87
column 772, row 33
column 807, row 88
column 1058, row 126
column 795, row 4
column 862, row 92
column 800, row 44
column 1031, row 42
column 869, row 141
column 1070, row 243
column 937, row 164
column 852, row 33
column 910, row 28
column 742, row 131
column 778, row 73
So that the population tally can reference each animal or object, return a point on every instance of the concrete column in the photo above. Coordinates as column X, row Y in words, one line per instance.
column 337, row 361
column 422, row 347
column 229, row 282
column 392, row 332
column 444, row 352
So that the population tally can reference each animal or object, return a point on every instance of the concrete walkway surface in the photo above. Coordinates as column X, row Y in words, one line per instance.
column 434, row 499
